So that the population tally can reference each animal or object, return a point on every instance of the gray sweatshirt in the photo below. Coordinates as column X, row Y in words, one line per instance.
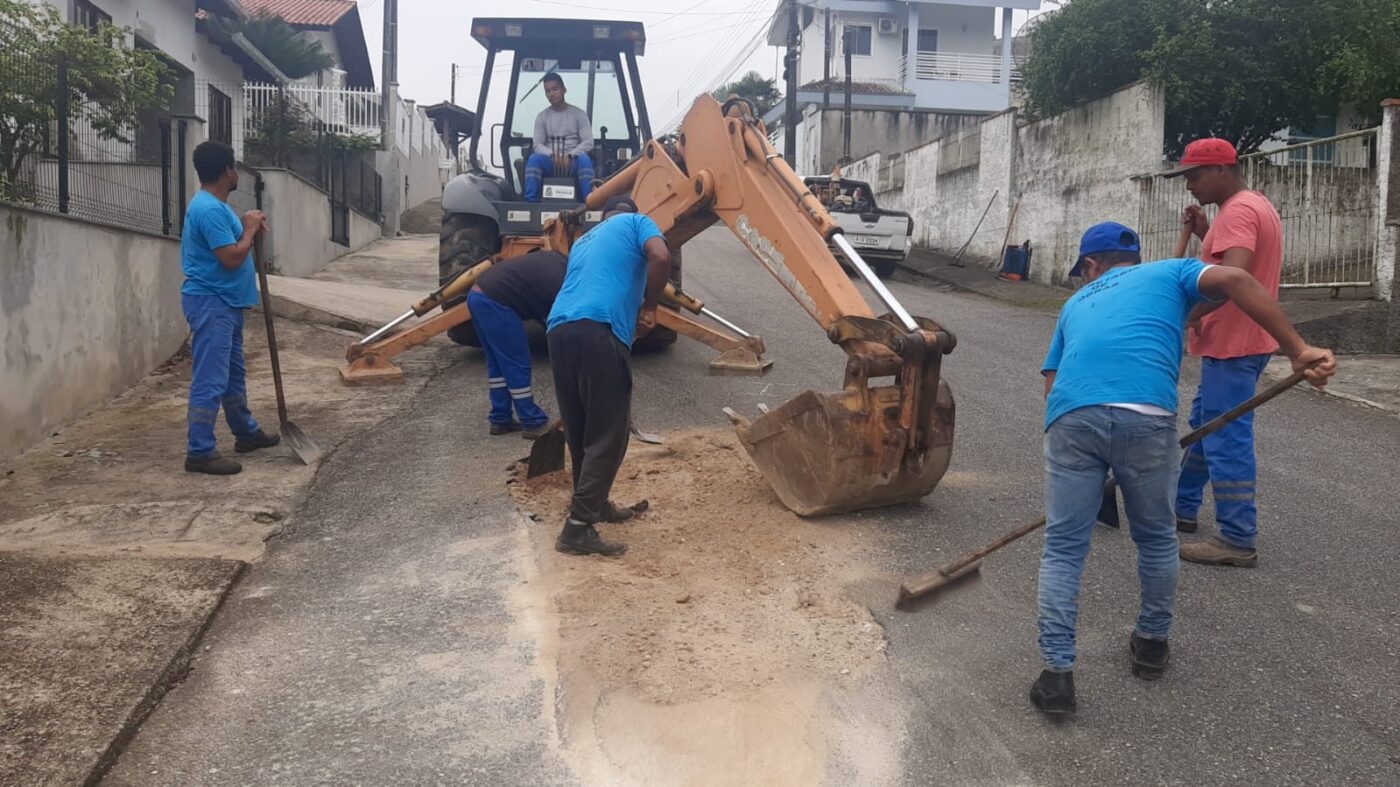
column 569, row 126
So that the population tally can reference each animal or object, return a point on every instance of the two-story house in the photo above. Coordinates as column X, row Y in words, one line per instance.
column 918, row 69
column 336, row 26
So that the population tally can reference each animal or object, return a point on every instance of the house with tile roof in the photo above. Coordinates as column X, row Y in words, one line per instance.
column 337, row 26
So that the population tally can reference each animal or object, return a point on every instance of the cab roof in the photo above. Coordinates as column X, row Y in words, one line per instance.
column 561, row 37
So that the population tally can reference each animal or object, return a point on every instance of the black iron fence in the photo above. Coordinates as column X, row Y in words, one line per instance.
column 62, row 152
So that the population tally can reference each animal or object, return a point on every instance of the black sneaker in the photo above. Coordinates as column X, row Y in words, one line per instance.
column 1187, row 524
column 506, row 428
column 612, row 512
column 262, row 439
column 1053, row 693
column 579, row 539
column 213, row 465
column 1150, row 656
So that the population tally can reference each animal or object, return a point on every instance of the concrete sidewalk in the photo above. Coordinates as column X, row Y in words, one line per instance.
column 1369, row 379
column 115, row 560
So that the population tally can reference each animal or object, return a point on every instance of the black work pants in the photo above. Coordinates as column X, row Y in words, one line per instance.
column 593, row 383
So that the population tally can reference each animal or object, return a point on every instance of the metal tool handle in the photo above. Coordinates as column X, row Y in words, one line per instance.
column 260, row 263
column 878, row 286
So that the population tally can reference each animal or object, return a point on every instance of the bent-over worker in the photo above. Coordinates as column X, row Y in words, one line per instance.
column 220, row 284
column 617, row 272
column 1247, row 234
column 507, row 294
column 563, row 139
column 1111, row 401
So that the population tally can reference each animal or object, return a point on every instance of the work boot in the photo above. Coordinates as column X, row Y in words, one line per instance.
column 534, row 432
column 1149, row 656
column 505, row 428
column 612, row 512
column 1187, row 524
column 253, row 442
column 1216, row 552
column 213, row 465
column 578, row 538
column 1053, row 692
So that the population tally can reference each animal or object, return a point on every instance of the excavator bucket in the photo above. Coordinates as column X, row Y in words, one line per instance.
column 824, row 454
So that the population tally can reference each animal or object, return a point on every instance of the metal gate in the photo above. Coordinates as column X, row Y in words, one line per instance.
column 1325, row 191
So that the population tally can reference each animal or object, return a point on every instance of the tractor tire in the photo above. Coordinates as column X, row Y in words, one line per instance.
column 659, row 338
column 465, row 240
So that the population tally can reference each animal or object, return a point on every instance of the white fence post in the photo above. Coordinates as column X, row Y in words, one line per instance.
column 1388, row 200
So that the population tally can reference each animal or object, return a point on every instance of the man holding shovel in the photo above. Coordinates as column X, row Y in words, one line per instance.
column 1247, row 234
column 1111, row 401
column 220, row 284
column 617, row 273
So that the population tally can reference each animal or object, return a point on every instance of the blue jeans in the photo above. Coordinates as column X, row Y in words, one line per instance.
column 216, row 340
column 1080, row 448
column 1225, row 458
column 507, row 349
column 539, row 166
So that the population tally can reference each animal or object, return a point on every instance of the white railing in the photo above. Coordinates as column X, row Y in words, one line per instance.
column 956, row 67
column 344, row 110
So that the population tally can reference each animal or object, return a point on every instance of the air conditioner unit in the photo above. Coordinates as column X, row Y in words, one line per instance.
column 888, row 26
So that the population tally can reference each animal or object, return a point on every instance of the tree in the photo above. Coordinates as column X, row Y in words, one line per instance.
column 108, row 83
column 1239, row 69
column 281, row 43
column 762, row 93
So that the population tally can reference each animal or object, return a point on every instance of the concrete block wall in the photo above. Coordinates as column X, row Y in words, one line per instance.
column 300, row 215
column 86, row 311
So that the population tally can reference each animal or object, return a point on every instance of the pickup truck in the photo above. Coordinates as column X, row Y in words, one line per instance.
column 881, row 236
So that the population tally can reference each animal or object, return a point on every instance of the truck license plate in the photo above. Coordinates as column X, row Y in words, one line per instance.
column 865, row 240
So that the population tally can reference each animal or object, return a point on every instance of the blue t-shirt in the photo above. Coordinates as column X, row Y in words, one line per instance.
column 607, row 275
column 1118, row 340
column 211, row 224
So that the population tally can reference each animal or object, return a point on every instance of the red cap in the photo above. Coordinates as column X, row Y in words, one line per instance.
column 1209, row 152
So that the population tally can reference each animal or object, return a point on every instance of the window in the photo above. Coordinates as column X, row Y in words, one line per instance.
column 1325, row 126
column 928, row 40
column 220, row 117
column 87, row 15
column 591, row 85
column 859, row 37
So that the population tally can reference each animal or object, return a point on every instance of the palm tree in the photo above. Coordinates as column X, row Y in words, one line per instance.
column 281, row 43
column 762, row 93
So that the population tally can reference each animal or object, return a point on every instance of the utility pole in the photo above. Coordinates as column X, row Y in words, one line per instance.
column 453, row 99
column 846, row 112
column 790, row 67
column 388, row 71
column 826, row 60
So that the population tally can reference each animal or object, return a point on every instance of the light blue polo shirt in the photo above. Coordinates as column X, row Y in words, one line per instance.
column 211, row 224
column 1119, row 339
column 607, row 275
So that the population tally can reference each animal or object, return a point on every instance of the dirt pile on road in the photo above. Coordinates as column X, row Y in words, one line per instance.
column 722, row 590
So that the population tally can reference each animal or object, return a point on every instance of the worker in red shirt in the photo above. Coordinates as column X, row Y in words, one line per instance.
column 1247, row 234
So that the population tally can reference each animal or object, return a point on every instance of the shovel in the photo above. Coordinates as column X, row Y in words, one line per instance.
column 971, row 563
column 547, row 454
column 304, row 447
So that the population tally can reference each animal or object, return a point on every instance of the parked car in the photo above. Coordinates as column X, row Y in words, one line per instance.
column 881, row 236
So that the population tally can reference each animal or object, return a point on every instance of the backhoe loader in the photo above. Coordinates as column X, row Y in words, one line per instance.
column 868, row 445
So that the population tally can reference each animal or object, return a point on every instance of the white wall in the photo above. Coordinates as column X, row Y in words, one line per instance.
column 305, row 246
column 964, row 29
column 85, row 312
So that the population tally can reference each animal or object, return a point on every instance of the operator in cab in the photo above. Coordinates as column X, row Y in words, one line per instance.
column 617, row 272
column 563, row 142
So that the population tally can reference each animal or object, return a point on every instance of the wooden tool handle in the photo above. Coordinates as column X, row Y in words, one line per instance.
column 260, row 263
column 1221, row 420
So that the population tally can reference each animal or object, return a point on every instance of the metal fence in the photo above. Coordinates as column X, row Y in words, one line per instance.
column 1326, row 193
column 61, row 152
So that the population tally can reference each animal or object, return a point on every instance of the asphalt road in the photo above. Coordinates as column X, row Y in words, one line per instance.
column 378, row 642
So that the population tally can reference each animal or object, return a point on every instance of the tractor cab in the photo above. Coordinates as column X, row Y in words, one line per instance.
column 597, row 61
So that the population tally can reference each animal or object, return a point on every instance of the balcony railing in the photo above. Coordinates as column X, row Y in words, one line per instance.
column 956, row 67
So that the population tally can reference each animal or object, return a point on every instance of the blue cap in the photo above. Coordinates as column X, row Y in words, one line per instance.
column 1104, row 237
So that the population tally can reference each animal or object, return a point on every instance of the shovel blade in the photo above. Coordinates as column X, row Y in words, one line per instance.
column 823, row 454
column 303, row 446
column 546, row 454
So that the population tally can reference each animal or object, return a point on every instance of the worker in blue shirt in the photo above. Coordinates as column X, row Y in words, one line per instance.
column 220, row 284
column 617, row 273
column 1111, row 404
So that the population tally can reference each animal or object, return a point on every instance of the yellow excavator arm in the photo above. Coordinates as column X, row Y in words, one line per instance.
column 823, row 453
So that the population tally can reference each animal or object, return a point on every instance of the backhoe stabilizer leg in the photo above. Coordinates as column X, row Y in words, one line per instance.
column 372, row 363
column 738, row 356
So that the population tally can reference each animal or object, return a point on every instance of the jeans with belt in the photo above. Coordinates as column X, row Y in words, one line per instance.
column 1080, row 449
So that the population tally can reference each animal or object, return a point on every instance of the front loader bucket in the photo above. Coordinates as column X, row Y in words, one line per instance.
column 823, row 454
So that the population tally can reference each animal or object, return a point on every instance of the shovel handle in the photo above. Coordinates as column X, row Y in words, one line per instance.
column 1219, row 422
column 260, row 263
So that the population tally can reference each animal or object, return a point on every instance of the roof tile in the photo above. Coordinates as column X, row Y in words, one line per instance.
column 317, row 13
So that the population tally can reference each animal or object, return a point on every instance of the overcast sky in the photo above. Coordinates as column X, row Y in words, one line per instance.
column 691, row 44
